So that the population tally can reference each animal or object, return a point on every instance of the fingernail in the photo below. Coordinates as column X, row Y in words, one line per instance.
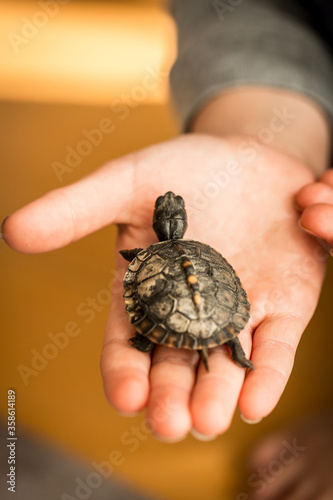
column 1, row 229
column 248, row 421
column 167, row 439
column 202, row 437
column 305, row 229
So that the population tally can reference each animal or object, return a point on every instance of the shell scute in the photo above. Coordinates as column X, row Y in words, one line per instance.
column 134, row 265
column 144, row 255
column 202, row 329
column 129, row 280
column 221, row 316
column 152, row 267
column 163, row 308
column 151, row 287
column 179, row 290
column 177, row 322
column 240, row 320
column 226, row 297
column 187, row 307
column 206, row 284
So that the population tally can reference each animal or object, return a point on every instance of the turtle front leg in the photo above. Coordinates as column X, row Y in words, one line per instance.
column 130, row 254
column 238, row 354
column 141, row 343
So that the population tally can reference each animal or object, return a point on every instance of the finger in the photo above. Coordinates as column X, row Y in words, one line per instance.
column 67, row 214
column 172, row 378
column 318, row 192
column 266, row 450
column 285, row 482
column 327, row 177
column 274, row 346
column 326, row 493
column 125, row 370
column 306, row 486
column 216, row 393
column 318, row 220
column 275, row 468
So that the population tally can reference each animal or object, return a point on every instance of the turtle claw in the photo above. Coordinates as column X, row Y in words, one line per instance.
column 141, row 343
column 130, row 254
column 238, row 355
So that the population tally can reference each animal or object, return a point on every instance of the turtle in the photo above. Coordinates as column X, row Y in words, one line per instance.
column 182, row 293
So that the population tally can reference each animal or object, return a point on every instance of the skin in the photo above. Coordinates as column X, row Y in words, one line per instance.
column 250, row 218
column 306, row 475
column 316, row 203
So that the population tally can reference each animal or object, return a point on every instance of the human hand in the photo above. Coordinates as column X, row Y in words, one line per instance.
column 246, row 212
column 316, row 202
column 303, row 452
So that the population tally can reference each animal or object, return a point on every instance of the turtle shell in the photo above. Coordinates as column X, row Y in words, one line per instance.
column 159, row 299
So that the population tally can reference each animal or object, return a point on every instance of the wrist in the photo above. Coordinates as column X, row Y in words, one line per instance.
column 273, row 118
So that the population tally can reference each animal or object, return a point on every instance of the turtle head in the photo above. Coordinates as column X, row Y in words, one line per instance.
column 170, row 219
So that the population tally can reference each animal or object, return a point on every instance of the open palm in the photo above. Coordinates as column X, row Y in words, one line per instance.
column 241, row 207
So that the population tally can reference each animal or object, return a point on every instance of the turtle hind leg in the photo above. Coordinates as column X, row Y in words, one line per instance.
column 238, row 354
column 204, row 356
column 130, row 254
column 141, row 343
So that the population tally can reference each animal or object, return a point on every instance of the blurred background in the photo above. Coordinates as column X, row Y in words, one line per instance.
column 69, row 68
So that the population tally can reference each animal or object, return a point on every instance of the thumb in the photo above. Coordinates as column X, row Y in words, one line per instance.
column 67, row 214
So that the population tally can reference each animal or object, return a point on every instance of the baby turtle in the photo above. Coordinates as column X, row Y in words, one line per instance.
column 183, row 293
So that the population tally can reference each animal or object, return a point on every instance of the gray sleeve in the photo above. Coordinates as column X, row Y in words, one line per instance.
column 223, row 44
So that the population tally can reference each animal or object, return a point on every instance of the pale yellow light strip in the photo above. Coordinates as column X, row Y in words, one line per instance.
column 84, row 53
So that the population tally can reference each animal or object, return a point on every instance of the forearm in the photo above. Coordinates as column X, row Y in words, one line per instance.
column 237, row 70
column 270, row 117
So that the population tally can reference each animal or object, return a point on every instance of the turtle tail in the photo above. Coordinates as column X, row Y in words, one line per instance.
column 204, row 356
